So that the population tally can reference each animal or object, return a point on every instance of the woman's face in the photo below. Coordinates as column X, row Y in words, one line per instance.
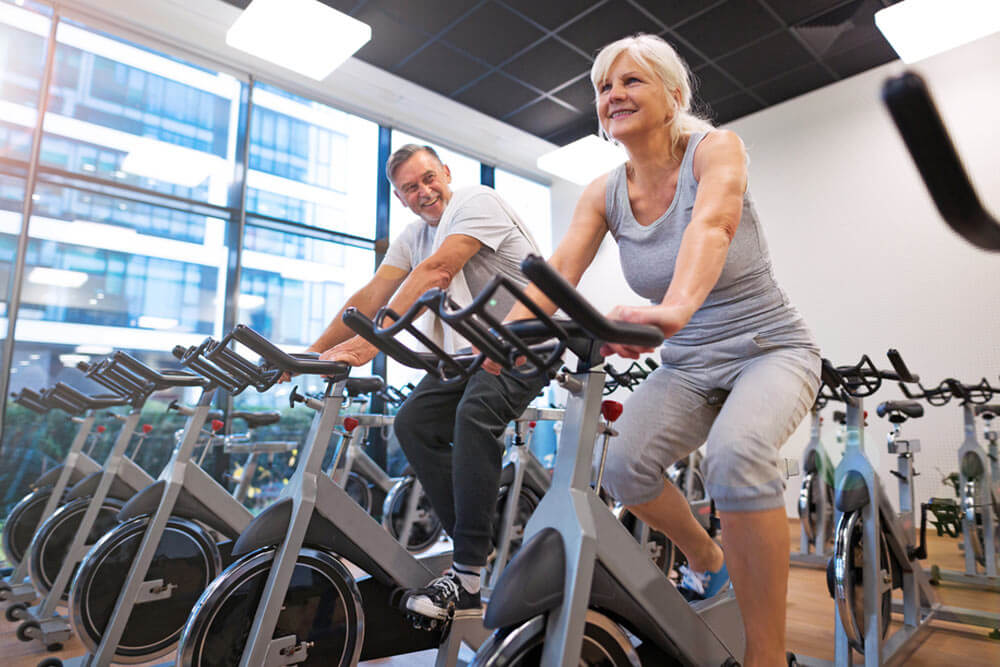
column 631, row 101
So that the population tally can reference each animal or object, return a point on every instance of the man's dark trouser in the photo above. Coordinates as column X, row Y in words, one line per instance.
column 461, row 481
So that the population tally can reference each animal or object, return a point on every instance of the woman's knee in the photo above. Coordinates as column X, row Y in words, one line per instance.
column 630, row 479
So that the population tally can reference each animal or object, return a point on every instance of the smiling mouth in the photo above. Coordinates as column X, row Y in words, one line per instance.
column 431, row 203
column 622, row 113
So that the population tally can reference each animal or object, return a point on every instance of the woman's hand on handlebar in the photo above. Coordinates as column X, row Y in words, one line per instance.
column 669, row 319
column 354, row 352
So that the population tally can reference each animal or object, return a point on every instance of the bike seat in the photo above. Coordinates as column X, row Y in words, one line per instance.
column 255, row 419
column 987, row 411
column 900, row 411
column 364, row 385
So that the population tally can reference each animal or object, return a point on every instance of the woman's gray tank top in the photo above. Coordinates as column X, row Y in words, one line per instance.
column 746, row 299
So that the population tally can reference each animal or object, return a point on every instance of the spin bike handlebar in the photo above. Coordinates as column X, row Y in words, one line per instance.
column 864, row 379
column 28, row 398
column 917, row 118
column 541, row 341
column 224, row 366
column 67, row 393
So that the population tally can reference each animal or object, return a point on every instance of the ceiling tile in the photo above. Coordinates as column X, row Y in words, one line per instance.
column 734, row 107
column 793, row 11
column 492, row 33
column 586, row 125
column 550, row 13
column 610, row 21
column 542, row 117
column 794, row 83
column 865, row 57
column 766, row 59
column 579, row 94
column 431, row 16
column 548, row 65
column 392, row 40
column 711, row 84
column 727, row 27
column 441, row 69
column 496, row 95
column 674, row 11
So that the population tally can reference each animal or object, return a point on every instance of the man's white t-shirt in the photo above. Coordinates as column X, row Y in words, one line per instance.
column 482, row 215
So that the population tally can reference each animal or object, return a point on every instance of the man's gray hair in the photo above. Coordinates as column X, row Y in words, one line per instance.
column 403, row 154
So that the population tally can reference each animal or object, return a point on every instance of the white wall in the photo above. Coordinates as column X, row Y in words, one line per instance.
column 859, row 247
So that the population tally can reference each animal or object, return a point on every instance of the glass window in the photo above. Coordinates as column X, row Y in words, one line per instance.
column 465, row 171
column 532, row 201
column 24, row 31
column 121, row 112
column 311, row 164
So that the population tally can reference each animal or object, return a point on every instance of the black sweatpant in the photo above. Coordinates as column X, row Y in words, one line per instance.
column 451, row 435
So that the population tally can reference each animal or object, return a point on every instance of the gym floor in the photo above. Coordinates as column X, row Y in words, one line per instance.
column 809, row 623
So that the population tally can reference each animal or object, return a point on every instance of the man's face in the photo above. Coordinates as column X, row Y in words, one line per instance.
column 422, row 184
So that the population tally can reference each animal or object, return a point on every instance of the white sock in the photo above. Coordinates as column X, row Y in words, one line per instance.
column 470, row 576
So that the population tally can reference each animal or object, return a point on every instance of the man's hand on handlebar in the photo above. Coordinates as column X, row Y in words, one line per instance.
column 354, row 351
column 669, row 319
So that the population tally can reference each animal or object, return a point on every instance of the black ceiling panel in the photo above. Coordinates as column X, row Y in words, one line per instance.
column 526, row 61
column 736, row 106
column 860, row 59
column 440, row 68
column 493, row 34
column 766, row 59
column 548, row 65
column 551, row 13
column 672, row 12
column 710, row 84
column 392, row 40
column 542, row 118
column 612, row 20
column 794, row 11
column 794, row 83
column 728, row 26
column 579, row 94
column 496, row 95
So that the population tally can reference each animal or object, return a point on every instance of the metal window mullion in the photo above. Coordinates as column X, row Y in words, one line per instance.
column 487, row 175
column 234, row 264
column 22, row 242
column 383, row 194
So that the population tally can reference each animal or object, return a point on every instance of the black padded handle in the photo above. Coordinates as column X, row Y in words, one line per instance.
column 919, row 123
column 566, row 297
column 161, row 379
column 903, row 373
column 282, row 360
column 73, row 395
column 30, row 399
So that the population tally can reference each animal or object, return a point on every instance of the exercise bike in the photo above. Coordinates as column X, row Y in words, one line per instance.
column 875, row 548
column 579, row 578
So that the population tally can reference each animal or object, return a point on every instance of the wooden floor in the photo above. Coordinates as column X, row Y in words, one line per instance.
column 809, row 623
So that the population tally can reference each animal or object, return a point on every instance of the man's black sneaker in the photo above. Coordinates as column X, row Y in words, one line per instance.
column 443, row 598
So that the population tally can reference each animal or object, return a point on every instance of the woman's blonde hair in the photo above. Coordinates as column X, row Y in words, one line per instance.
column 658, row 58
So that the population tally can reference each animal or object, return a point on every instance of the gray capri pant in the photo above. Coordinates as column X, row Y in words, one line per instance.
column 772, row 379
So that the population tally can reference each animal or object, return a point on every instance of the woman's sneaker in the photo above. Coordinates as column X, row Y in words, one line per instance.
column 443, row 598
column 697, row 585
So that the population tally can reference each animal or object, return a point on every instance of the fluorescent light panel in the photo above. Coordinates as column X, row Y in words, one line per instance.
column 583, row 160
column 57, row 277
column 918, row 29
column 304, row 36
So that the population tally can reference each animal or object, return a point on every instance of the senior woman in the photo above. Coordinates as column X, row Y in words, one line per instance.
column 690, row 241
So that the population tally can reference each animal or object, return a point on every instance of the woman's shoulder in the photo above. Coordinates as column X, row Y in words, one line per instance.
column 718, row 147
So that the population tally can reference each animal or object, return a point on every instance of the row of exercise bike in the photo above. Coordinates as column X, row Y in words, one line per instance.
column 178, row 565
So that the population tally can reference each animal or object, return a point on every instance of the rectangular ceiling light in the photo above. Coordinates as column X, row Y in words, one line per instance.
column 57, row 277
column 304, row 36
column 583, row 160
column 918, row 29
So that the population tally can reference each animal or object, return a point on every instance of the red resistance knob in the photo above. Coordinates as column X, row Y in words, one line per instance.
column 101, row 429
column 147, row 428
column 531, row 424
column 350, row 423
column 611, row 410
column 217, row 425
